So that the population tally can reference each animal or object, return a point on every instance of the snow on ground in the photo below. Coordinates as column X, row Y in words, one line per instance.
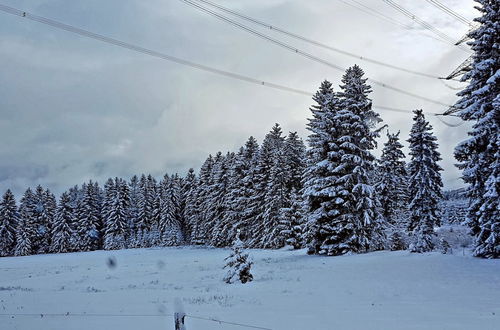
column 381, row 290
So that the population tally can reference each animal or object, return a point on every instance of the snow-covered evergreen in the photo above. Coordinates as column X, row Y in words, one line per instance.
column 170, row 226
column 341, row 204
column 89, row 218
column 392, row 184
column 61, row 231
column 26, row 226
column 116, row 216
column 238, row 264
column 8, row 223
column 479, row 155
column 291, row 226
column 425, row 184
column 321, row 203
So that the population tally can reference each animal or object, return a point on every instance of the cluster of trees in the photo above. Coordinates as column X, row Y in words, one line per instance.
column 333, row 197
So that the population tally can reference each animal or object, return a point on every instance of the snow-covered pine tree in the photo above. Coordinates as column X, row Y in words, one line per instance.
column 170, row 227
column 289, row 229
column 116, row 217
column 220, row 199
column 360, row 206
column 89, row 218
column 392, row 185
column 146, row 200
column 294, row 151
column 199, row 236
column 425, row 184
column 61, row 231
column 239, row 192
column 26, row 226
column 479, row 155
column 189, row 209
column 290, row 226
column 42, row 217
column 8, row 223
column 341, row 203
column 266, row 205
column 320, row 193
column 133, row 212
column 239, row 264
column 75, row 196
column 275, row 198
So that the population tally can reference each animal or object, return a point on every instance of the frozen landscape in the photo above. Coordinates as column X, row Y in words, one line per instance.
column 379, row 290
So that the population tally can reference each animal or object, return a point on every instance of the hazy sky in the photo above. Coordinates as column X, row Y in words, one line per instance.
column 74, row 109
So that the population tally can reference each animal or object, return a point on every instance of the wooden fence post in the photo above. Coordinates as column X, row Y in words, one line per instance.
column 179, row 321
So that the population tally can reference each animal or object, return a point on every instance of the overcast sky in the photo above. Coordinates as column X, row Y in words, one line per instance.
column 74, row 109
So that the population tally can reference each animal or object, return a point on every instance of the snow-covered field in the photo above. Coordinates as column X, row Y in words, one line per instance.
column 382, row 290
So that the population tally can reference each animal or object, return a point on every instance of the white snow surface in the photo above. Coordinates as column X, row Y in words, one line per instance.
column 381, row 290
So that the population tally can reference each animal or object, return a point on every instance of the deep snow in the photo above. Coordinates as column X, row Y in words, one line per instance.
column 381, row 290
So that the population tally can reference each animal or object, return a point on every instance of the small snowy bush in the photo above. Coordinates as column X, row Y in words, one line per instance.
column 239, row 265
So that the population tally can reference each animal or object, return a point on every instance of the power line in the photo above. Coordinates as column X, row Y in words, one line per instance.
column 316, row 43
column 159, row 55
column 146, row 51
column 450, row 12
column 302, row 53
column 423, row 23
column 378, row 14
column 375, row 13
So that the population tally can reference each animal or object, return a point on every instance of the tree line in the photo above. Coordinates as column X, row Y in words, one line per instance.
column 333, row 197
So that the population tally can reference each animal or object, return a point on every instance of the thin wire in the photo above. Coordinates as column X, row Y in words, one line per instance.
column 115, row 42
column 376, row 13
column 302, row 53
column 450, row 12
column 316, row 43
column 424, row 24
column 226, row 322
column 41, row 315
column 146, row 51
column 405, row 26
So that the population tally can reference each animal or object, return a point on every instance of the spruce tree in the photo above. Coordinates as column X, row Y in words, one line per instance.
column 169, row 225
column 239, row 264
column 199, row 235
column 265, row 204
column 61, row 231
column 89, row 218
column 341, row 203
column 42, row 220
column 360, row 204
column 392, row 183
column 26, row 226
column 321, row 200
column 189, row 209
column 425, row 184
column 220, row 199
column 8, row 223
column 290, row 226
column 479, row 155
column 116, row 216
column 133, row 211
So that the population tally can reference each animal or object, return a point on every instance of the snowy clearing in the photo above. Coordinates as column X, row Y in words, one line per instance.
column 381, row 290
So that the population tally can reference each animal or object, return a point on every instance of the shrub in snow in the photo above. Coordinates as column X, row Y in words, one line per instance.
column 445, row 247
column 239, row 265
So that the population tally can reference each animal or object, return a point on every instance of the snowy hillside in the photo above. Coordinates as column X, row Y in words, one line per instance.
column 380, row 290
